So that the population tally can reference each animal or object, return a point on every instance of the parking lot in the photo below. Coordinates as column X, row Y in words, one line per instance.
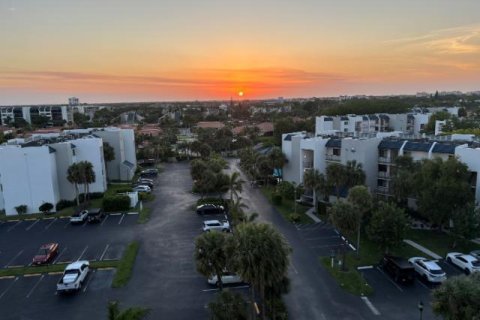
column 323, row 239
column 20, row 241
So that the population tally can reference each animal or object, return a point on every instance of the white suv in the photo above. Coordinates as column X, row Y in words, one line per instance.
column 79, row 217
column 428, row 269
column 465, row 262
column 216, row 225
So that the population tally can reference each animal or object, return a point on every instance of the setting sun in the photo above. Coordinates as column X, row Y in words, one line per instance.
column 240, row 93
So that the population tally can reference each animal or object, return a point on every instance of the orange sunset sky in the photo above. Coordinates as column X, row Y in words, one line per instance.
column 146, row 50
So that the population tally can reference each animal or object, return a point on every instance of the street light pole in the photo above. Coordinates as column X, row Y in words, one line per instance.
column 295, row 198
column 420, row 308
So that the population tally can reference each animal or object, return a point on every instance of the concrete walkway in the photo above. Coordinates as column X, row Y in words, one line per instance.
column 312, row 215
column 423, row 249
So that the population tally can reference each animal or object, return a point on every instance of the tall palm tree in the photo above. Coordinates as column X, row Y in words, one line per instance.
column 315, row 181
column 237, row 211
column 235, row 184
column 134, row 313
column 277, row 158
column 260, row 256
column 74, row 176
column 354, row 174
column 87, row 176
column 210, row 255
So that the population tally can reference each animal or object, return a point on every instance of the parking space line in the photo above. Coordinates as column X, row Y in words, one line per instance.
column 132, row 213
column 12, row 227
column 371, row 306
column 101, row 224
column 31, row 226
column 104, row 252
column 115, row 214
column 293, row 267
column 36, row 284
column 121, row 219
column 61, row 253
column 48, row 225
column 8, row 288
column 83, row 252
column 391, row 281
column 88, row 280
column 13, row 259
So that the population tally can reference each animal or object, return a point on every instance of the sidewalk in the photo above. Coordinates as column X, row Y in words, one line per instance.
column 423, row 249
column 311, row 214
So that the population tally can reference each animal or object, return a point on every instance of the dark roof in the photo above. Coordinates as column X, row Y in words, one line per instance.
column 334, row 143
column 384, row 117
column 344, row 118
column 390, row 144
column 328, row 119
column 365, row 118
column 288, row 137
column 373, row 117
column 444, row 148
column 410, row 116
column 418, row 146
column 128, row 164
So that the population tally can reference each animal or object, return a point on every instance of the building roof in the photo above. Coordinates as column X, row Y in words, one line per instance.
column 444, row 148
column 128, row 164
column 288, row 137
column 334, row 143
column 238, row 130
column 417, row 146
column 265, row 127
column 384, row 117
column 343, row 118
column 373, row 117
column 390, row 144
column 210, row 125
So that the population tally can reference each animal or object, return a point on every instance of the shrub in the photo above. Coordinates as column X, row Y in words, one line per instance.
column 286, row 189
column 22, row 209
column 45, row 207
column 294, row 217
column 277, row 198
column 62, row 204
column 124, row 190
column 91, row 195
column 116, row 203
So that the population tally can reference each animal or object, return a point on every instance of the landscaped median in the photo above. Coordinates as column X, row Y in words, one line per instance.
column 125, row 265
column 286, row 207
column 350, row 280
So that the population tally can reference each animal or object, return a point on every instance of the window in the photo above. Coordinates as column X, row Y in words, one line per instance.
column 336, row 151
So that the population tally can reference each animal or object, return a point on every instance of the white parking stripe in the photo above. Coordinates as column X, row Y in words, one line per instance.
column 83, row 252
column 48, row 225
column 132, row 213
column 105, row 219
column 115, row 214
column 121, row 219
column 12, row 227
column 31, row 226
column 8, row 288
column 61, row 253
column 36, row 284
column 371, row 306
column 13, row 259
column 104, row 252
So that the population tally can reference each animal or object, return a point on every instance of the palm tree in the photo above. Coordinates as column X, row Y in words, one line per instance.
column 210, row 255
column 315, row 181
column 235, row 184
column 277, row 158
column 260, row 256
column 336, row 177
column 354, row 174
column 74, row 176
column 236, row 211
column 228, row 306
column 87, row 175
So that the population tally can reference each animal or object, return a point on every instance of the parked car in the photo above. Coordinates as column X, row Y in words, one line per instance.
column 475, row 254
column 398, row 268
column 73, row 276
column 45, row 254
column 79, row 216
column 216, row 225
column 95, row 215
column 465, row 262
column 150, row 171
column 210, row 209
column 145, row 180
column 142, row 189
column 428, row 269
column 144, row 183
column 227, row 278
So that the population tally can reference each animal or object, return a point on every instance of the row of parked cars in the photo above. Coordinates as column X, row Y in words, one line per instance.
column 403, row 270
column 145, row 182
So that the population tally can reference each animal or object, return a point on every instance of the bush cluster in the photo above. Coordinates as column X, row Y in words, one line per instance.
column 116, row 203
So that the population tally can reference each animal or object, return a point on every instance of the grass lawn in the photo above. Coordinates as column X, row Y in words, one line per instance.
column 440, row 242
column 287, row 207
column 8, row 272
column 144, row 215
column 125, row 265
column 350, row 280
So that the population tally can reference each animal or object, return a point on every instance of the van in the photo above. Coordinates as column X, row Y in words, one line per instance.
column 399, row 269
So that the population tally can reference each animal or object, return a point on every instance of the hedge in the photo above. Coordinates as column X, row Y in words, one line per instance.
column 116, row 203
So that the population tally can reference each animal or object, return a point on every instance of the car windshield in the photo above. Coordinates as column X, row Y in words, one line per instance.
column 476, row 263
column 42, row 252
column 71, row 271
column 437, row 271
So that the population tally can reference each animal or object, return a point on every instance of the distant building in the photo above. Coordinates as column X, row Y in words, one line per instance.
column 73, row 101
column 210, row 125
column 57, row 114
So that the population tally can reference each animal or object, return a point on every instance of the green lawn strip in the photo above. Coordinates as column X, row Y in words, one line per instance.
column 144, row 215
column 125, row 265
column 34, row 216
column 52, row 268
column 440, row 242
column 351, row 280
column 287, row 207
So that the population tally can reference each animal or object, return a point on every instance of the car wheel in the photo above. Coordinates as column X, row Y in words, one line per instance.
column 449, row 260
column 467, row 272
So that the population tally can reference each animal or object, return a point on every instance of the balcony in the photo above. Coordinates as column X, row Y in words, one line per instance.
column 332, row 157
column 386, row 160
column 384, row 174
column 383, row 190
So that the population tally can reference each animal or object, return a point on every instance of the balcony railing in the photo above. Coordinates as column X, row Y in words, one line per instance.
column 383, row 174
column 332, row 157
column 388, row 160
column 383, row 190
column 307, row 164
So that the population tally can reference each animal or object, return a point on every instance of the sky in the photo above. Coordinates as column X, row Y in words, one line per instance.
column 163, row 50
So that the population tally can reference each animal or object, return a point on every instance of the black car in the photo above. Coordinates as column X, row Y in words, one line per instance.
column 95, row 215
column 210, row 209
column 398, row 268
